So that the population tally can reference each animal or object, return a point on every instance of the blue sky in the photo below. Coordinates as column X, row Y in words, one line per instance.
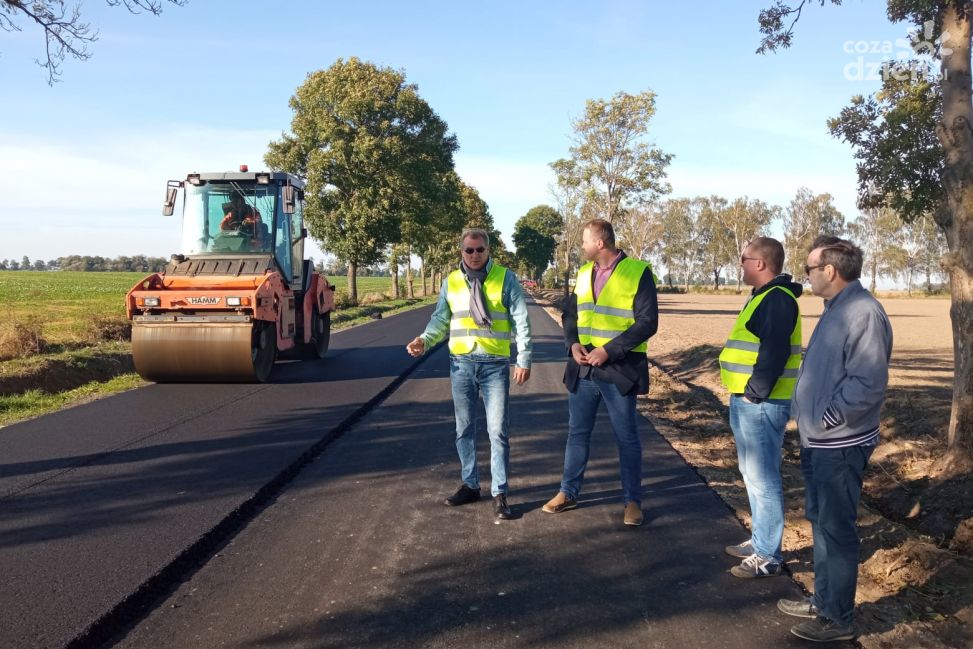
column 83, row 164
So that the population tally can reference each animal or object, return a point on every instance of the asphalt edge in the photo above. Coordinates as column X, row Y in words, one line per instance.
column 113, row 625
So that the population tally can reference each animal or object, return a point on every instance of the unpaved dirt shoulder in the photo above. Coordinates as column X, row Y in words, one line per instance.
column 911, row 592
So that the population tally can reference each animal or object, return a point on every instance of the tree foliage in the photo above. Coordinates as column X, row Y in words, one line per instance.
column 610, row 161
column 875, row 231
column 807, row 216
column 535, row 237
column 640, row 231
column 685, row 240
column 65, row 32
column 900, row 159
column 745, row 218
column 375, row 155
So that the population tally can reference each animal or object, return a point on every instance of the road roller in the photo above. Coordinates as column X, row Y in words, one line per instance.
column 240, row 292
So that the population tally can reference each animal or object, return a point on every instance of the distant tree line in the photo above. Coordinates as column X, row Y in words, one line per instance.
column 87, row 263
column 698, row 240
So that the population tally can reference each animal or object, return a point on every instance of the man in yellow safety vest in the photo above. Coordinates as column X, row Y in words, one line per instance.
column 476, row 306
column 758, row 367
column 607, row 321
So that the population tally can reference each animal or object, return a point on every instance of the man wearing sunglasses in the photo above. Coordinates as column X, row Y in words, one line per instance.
column 837, row 403
column 476, row 306
column 758, row 367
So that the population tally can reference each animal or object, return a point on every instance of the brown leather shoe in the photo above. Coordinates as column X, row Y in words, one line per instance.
column 559, row 503
column 633, row 514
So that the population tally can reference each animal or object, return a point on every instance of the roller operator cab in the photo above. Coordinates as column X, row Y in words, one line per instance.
column 240, row 291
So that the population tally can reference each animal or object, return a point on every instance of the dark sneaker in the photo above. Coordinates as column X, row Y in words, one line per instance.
column 798, row 607
column 500, row 507
column 821, row 629
column 463, row 496
column 559, row 503
column 755, row 567
column 741, row 551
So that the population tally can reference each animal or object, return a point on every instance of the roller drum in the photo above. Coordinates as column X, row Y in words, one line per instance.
column 190, row 352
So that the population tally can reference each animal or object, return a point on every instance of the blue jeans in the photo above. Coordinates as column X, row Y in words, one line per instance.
column 492, row 380
column 833, row 486
column 582, row 408
column 758, row 429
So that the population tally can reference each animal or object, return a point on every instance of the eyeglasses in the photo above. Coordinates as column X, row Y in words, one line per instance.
column 470, row 251
column 808, row 269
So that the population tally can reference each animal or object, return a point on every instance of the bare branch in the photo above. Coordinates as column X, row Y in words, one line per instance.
column 137, row 6
column 64, row 32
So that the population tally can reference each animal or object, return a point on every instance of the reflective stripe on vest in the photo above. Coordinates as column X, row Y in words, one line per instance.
column 739, row 354
column 602, row 320
column 464, row 333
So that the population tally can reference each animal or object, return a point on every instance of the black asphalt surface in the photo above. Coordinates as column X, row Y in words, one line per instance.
column 97, row 499
column 359, row 551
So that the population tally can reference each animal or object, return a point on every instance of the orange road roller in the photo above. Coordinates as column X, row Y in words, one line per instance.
column 240, row 291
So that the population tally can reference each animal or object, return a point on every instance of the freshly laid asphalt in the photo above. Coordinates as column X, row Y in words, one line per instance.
column 359, row 551
column 98, row 500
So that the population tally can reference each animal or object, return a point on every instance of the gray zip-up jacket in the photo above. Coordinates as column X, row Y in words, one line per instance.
column 841, row 385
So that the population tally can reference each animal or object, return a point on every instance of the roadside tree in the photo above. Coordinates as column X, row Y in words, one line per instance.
column 373, row 153
column 610, row 162
column 914, row 145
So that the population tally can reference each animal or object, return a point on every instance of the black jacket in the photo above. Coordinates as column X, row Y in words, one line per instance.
column 628, row 370
column 772, row 322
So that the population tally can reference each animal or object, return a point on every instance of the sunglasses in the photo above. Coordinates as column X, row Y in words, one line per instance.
column 744, row 259
column 808, row 269
column 470, row 251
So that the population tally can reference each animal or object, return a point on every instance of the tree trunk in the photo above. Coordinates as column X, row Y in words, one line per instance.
column 956, row 219
column 408, row 275
column 874, row 273
column 394, row 272
column 716, row 279
column 353, row 281
column 422, row 275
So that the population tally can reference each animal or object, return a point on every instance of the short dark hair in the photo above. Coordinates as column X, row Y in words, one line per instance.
column 603, row 230
column 771, row 252
column 846, row 257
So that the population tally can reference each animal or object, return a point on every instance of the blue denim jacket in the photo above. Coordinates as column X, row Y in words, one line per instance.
column 512, row 298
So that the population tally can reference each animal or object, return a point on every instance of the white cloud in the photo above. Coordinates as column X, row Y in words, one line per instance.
column 112, row 183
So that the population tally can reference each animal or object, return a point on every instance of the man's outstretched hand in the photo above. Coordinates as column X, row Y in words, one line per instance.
column 416, row 348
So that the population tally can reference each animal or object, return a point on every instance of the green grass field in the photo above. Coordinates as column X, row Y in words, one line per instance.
column 64, row 303
column 67, row 303
column 69, row 309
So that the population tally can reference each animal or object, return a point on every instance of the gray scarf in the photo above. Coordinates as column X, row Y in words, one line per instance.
column 478, row 306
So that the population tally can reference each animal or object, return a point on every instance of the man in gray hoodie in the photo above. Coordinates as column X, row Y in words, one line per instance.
column 837, row 403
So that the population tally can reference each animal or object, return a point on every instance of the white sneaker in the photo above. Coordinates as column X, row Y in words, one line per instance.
column 741, row 551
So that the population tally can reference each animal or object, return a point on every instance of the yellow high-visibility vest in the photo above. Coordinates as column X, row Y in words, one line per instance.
column 613, row 312
column 739, row 355
column 464, row 333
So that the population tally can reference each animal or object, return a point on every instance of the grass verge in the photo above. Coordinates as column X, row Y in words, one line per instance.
column 73, row 372
column 32, row 403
